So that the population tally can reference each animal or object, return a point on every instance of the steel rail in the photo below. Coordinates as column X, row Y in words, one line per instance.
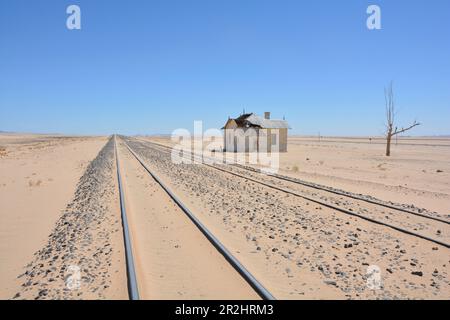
column 310, row 185
column 251, row 280
column 322, row 188
column 133, row 291
column 348, row 212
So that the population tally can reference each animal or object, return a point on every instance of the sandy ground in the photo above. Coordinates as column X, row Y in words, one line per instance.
column 417, row 173
column 59, row 210
column 301, row 249
column 173, row 258
column 38, row 180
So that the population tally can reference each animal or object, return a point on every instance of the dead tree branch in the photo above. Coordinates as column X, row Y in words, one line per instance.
column 390, row 119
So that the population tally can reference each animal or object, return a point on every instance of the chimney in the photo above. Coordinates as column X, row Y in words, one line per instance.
column 266, row 115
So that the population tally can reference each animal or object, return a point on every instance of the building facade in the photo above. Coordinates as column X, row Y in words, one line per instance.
column 252, row 133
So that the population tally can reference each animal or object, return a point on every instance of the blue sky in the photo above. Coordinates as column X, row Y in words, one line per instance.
column 154, row 66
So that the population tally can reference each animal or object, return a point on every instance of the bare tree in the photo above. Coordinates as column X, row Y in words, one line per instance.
column 390, row 119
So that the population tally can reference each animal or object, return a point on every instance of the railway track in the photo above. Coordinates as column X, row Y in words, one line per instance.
column 346, row 194
column 323, row 188
column 131, row 273
column 133, row 291
column 168, row 149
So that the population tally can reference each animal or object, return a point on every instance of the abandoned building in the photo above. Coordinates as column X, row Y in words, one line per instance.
column 252, row 133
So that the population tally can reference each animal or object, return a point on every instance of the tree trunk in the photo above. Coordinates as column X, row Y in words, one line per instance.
column 388, row 145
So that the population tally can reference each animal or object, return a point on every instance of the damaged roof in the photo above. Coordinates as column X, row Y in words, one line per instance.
column 253, row 120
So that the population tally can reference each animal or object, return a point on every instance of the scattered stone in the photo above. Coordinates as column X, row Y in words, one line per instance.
column 43, row 292
column 74, row 239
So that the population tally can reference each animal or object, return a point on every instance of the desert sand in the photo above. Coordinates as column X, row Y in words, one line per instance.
column 60, row 209
column 38, row 179
column 306, row 250
column 418, row 171
column 174, row 260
